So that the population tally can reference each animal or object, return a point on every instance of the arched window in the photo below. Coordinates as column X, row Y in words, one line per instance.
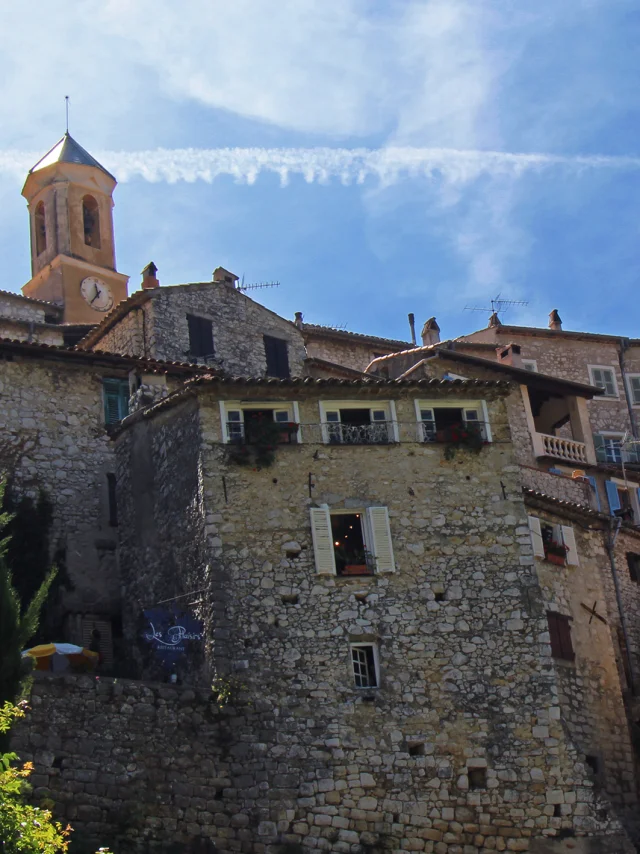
column 91, row 222
column 41, row 229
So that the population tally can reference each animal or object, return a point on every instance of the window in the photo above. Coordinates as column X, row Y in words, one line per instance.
column 623, row 499
column 115, row 393
column 633, row 562
column 560, row 635
column 243, row 423
column 555, row 543
column 439, row 421
column 364, row 664
column 609, row 449
column 200, row 336
column 91, row 222
column 634, row 388
column 277, row 357
column 40, row 228
column 113, row 506
column 356, row 423
column 352, row 542
column 530, row 365
column 605, row 378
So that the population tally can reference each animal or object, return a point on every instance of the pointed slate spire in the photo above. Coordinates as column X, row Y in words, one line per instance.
column 67, row 150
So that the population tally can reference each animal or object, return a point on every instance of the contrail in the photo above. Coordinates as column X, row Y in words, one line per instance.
column 347, row 165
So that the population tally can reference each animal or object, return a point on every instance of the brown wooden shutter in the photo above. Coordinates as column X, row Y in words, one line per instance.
column 275, row 350
column 560, row 634
column 556, row 647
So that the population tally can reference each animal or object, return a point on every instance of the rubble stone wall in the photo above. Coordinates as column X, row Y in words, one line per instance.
column 52, row 437
column 350, row 353
column 463, row 747
column 129, row 335
column 21, row 330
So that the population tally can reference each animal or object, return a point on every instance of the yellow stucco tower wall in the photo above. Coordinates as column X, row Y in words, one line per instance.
column 70, row 201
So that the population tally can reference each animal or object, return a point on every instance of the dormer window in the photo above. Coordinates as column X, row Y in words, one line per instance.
column 91, row 222
column 40, row 229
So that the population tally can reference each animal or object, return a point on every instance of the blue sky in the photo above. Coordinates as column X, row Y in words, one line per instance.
column 374, row 157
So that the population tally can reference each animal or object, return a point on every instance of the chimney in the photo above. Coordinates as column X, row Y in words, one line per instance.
column 412, row 327
column 555, row 322
column 149, row 278
column 430, row 333
column 494, row 320
column 509, row 354
column 298, row 321
column 225, row 277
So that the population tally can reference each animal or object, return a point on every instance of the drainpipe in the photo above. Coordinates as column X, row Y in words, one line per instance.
column 624, row 345
column 612, row 536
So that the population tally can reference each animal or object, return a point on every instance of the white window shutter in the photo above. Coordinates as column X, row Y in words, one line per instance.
column 322, row 541
column 378, row 519
column 569, row 539
column 536, row 536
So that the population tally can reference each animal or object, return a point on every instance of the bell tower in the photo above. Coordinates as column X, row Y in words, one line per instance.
column 73, row 262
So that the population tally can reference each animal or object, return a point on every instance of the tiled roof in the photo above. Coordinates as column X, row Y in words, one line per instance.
column 545, row 332
column 67, row 150
column 334, row 366
column 330, row 332
column 562, row 504
column 59, row 352
column 49, row 305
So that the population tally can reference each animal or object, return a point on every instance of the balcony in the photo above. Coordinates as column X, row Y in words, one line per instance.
column 378, row 433
column 567, row 450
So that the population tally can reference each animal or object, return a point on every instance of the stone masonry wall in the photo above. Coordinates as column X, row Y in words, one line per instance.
column 52, row 437
column 129, row 335
column 127, row 762
column 22, row 330
column 15, row 308
column 351, row 353
column 467, row 681
column 160, row 331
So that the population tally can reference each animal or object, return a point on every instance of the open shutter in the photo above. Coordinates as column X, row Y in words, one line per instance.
column 554, row 634
column 569, row 539
column 378, row 518
column 116, row 400
column 322, row 541
column 536, row 536
column 612, row 495
column 596, row 494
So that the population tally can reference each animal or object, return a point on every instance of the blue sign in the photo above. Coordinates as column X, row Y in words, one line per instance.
column 171, row 633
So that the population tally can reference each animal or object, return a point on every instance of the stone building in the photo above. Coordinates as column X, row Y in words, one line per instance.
column 429, row 641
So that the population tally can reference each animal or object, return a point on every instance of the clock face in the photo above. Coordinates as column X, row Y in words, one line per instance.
column 96, row 293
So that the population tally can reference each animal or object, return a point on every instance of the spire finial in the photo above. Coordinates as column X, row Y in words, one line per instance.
column 66, row 106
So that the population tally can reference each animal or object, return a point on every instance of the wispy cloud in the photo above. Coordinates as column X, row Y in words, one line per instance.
column 348, row 165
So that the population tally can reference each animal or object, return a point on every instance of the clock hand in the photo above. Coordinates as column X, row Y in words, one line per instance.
column 98, row 292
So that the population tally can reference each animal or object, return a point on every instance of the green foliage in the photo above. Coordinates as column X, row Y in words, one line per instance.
column 24, row 829
column 18, row 623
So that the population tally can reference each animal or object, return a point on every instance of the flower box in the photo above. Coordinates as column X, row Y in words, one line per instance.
column 556, row 557
column 356, row 569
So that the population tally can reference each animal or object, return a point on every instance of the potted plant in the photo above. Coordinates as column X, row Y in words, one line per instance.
column 288, row 430
column 465, row 435
column 555, row 553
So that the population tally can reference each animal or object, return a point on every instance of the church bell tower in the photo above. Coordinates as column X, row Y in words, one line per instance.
column 73, row 262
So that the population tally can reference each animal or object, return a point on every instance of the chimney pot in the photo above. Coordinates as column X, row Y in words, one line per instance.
column 494, row 320
column 149, row 278
column 298, row 321
column 555, row 321
column 430, row 333
column 510, row 354
column 412, row 327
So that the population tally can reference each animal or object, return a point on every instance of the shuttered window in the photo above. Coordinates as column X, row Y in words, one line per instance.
column 634, row 389
column 633, row 562
column 275, row 350
column 200, row 336
column 560, row 634
column 536, row 536
column 376, row 535
column 604, row 378
column 562, row 535
column 115, row 394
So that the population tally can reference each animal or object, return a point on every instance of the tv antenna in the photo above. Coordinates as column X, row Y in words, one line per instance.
column 254, row 286
column 498, row 304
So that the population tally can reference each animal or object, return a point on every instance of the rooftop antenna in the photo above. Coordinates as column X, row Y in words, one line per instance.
column 256, row 285
column 66, row 107
column 498, row 304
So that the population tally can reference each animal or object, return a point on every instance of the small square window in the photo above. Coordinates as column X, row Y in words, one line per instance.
column 364, row 664
column 530, row 365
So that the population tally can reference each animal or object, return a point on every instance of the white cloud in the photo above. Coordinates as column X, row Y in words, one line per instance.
column 387, row 166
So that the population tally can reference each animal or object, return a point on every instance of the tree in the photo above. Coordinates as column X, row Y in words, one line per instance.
column 24, row 829
column 18, row 624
